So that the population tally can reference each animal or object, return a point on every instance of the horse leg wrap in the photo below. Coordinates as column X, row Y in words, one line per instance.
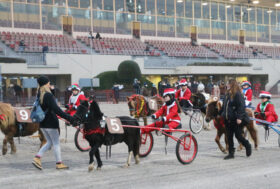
column 137, row 159
column 91, row 167
column 129, row 159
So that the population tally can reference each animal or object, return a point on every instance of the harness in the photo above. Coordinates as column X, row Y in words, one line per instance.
column 140, row 106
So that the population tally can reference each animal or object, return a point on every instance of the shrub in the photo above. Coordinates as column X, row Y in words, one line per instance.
column 127, row 71
column 107, row 79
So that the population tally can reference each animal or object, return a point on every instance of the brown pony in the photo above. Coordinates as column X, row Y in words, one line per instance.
column 9, row 128
column 213, row 107
column 139, row 107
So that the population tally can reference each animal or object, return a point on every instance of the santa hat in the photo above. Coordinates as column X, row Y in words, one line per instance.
column 265, row 94
column 168, row 91
column 246, row 83
column 183, row 82
column 75, row 86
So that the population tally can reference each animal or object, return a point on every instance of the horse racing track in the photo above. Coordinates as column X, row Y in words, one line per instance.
column 157, row 170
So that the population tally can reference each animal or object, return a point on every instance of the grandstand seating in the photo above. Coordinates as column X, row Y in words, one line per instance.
column 119, row 46
column 232, row 51
column 181, row 49
column 34, row 42
column 269, row 51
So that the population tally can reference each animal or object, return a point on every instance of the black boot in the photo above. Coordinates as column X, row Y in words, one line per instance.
column 230, row 155
column 248, row 149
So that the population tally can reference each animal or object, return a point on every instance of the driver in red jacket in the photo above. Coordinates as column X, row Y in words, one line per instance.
column 169, row 112
column 265, row 110
column 74, row 100
column 248, row 93
column 184, row 94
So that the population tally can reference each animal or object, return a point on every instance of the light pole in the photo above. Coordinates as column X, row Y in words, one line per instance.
column 91, row 38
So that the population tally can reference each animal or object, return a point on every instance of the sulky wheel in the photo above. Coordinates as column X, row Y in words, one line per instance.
column 80, row 142
column 186, row 148
column 146, row 146
column 196, row 122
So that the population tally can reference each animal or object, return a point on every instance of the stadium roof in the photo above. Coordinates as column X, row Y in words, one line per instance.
column 265, row 3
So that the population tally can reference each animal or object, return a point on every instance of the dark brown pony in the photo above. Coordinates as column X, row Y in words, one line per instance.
column 139, row 107
column 213, row 107
column 9, row 128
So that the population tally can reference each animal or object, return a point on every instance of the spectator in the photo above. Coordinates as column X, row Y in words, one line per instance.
column 90, row 36
column 194, row 87
column 21, row 46
column 45, row 50
column 154, row 90
column 11, row 94
column 98, row 36
column 209, row 87
column 18, row 93
column 223, row 89
column 147, row 48
column 255, row 53
column 116, row 92
column 216, row 91
column 145, row 90
column 137, row 86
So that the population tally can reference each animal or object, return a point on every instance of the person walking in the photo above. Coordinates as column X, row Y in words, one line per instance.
column 50, row 125
column 235, row 117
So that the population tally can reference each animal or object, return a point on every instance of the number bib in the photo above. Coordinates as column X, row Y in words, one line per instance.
column 153, row 105
column 114, row 125
column 23, row 115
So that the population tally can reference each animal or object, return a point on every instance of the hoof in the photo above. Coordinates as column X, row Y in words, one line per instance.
column 239, row 149
column 98, row 169
column 137, row 160
column 224, row 151
column 13, row 151
column 126, row 166
column 4, row 151
column 91, row 167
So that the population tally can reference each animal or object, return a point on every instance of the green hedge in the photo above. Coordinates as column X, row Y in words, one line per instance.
column 107, row 79
column 128, row 70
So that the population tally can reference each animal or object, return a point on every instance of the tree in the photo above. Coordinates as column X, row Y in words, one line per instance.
column 107, row 79
column 128, row 70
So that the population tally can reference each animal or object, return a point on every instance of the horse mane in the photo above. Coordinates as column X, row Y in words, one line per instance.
column 95, row 109
column 8, row 113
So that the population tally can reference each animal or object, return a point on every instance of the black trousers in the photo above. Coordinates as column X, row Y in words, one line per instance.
column 233, row 128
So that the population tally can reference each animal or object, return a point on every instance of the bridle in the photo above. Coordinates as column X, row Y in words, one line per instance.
column 80, row 117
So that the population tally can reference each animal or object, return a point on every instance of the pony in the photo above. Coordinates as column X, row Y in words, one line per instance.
column 139, row 107
column 212, row 113
column 9, row 128
column 90, row 116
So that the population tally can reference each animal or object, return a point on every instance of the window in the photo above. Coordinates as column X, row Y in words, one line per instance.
column 170, row 8
column 48, row 2
column 206, row 11
column 214, row 11
column 273, row 17
column 150, row 7
column 197, row 9
column 230, row 13
column 108, row 4
column 222, row 13
column 84, row 3
column 161, row 7
column 119, row 5
column 188, row 8
column 252, row 14
column 130, row 5
column 140, row 6
column 244, row 14
column 97, row 4
column 73, row 3
column 260, row 16
column 180, row 9
column 237, row 13
column 266, row 15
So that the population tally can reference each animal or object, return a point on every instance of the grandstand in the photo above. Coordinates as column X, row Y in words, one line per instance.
column 164, row 37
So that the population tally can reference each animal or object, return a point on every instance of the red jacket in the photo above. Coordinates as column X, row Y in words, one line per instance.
column 269, row 112
column 169, row 112
column 186, row 95
column 248, row 96
column 74, row 102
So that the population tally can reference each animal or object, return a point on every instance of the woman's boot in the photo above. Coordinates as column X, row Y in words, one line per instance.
column 248, row 149
column 230, row 155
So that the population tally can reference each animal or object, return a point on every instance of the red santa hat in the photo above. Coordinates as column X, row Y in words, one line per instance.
column 265, row 94
column 75, row 86
column 246, row 83
column 168, row 91
column 183, row 82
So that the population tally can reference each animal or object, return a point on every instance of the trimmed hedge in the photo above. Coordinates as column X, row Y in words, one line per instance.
column 128, row 70
column 107, row 79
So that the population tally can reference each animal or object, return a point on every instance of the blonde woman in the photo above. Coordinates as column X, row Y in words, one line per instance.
column 50, row 125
